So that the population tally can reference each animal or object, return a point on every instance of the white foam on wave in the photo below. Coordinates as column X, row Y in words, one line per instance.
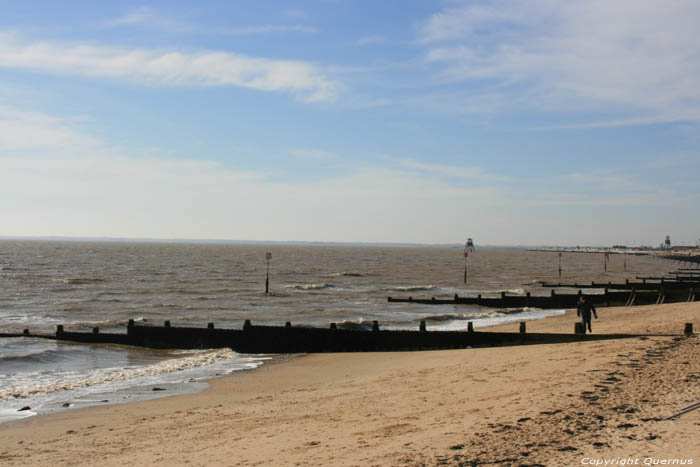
column 491, row 318
column 32, row 384
column 413, row 288
column 310, row 286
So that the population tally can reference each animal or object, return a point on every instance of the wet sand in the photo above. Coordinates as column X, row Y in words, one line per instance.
column 560, row 404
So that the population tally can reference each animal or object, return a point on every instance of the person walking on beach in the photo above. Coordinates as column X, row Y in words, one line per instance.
column 584, row 310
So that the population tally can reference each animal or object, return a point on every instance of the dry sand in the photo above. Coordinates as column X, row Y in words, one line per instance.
column 563, row 404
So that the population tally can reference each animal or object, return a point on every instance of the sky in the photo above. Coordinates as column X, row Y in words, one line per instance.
column 515, row 122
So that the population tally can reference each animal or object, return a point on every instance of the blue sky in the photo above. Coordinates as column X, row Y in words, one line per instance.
column 512, row 122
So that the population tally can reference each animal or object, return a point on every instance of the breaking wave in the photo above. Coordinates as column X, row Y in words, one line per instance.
column 111, row 375
column 310, row 286
column 416, row 288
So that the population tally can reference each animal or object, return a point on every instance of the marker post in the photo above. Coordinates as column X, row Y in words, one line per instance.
column 466, row 256
column 605, row 261
column 268, row 257
column 560, row 264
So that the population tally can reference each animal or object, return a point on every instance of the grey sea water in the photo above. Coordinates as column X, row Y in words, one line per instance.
column 85, row 284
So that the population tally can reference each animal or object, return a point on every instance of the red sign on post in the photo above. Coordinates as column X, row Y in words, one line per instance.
column 268, row 255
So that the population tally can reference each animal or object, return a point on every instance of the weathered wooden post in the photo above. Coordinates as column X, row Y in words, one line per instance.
column 466, row 257
column 210, row 326
column 247, row 325
column 130, row 323
column 560, row 264
column 503, row 299
column 166, row 324
column 59, row 329
column 25, row 332
column 268, row 257
column 423, row 327
column 288, row 324
column 527, row 299
column 688, row 329
column 522, row 328
column 95, row 330
column 578, row 328
column 605, row 261
column 333, row 326
column 470, row 326
column 375, row 325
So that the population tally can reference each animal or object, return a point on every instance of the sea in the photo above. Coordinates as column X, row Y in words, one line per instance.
column 86, row 284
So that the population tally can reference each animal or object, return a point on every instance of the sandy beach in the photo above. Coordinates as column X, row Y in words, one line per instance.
column 563, row 404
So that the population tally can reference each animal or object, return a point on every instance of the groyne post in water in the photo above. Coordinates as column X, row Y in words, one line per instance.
column 523, row 328
column 422, row 327
column 210, row 326
column 470, row 327
column 95, row 330
column 375, row 325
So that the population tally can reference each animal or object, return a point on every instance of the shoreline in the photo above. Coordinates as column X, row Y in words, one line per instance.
column 409, row 408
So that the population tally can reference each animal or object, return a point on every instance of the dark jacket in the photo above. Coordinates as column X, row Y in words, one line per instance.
column 584, row 309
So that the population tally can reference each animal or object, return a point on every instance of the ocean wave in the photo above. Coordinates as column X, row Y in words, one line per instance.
column 107, row 322
column 473, row 316
column 310, row 286
column 82, row 280
column 111, row 375
column 360, row 325
column 415, row 288
column 349, row 274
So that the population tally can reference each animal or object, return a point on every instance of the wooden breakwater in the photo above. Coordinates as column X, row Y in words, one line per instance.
column 300, row 339
column 611, row 296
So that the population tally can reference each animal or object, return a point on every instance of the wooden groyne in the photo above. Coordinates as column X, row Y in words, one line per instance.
column 613, row 295
column 299, row 339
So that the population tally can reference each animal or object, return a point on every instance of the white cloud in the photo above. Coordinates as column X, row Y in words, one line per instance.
column 55, row 180
column 150, row 18
column 468, row 173
column 633, row 58
column 137, row 16
column 314, row 154
column 22, row 132
column 169, row 67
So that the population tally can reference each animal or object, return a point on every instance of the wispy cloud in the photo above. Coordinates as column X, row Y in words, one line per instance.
column 137, row 16
column 169, row 67
column 371, row 40
column 468, row 173
column 314, row 154
column 633, row 59
column 57, row 180
column 149, row 18
column 23, row 132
